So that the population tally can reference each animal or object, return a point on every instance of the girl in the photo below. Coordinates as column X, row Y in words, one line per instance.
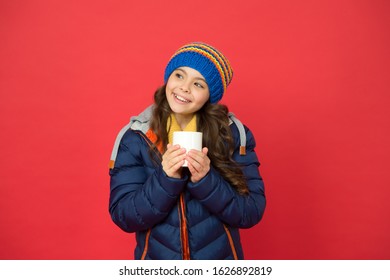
column 192, row 212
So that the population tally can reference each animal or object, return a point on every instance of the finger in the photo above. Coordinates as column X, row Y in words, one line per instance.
column 170, row 157
column 196, row 165
column 196, row 175
column 178, row 164
column 177, row 153
column 197, row 156
column 171, row 148
column 199, row 160
column 173, row 151
column 191, row 168
column 173, row 165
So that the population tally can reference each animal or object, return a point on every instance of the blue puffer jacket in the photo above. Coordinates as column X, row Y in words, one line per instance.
column 175, row 218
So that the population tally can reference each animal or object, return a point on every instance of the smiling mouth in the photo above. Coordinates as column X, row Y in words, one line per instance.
column 181, row 99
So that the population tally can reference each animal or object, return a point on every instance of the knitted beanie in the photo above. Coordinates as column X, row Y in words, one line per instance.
column 208, row 61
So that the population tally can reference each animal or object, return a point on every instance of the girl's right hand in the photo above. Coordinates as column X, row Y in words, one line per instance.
column 172, row 160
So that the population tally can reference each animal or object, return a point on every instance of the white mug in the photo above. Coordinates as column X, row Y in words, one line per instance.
column 188, row 140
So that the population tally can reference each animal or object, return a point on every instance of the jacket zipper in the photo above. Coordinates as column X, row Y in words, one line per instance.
column 231, row 242
column 146, row 245
column 183, row 230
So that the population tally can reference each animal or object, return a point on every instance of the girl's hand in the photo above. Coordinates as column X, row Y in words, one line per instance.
column 198, row 164
column 172, row 160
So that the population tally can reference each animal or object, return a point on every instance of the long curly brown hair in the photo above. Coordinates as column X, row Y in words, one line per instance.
column 212, row 120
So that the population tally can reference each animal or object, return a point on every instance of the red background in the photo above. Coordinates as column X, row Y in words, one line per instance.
column 311, row 81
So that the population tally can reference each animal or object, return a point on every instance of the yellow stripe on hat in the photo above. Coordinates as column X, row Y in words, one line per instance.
column 223, row 60
column 210, row 57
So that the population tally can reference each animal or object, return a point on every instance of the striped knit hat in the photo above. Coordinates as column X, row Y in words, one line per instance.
column 212, row 64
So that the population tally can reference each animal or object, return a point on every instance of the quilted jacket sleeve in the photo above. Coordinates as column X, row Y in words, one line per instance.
column 218, row 196
column 141, row 195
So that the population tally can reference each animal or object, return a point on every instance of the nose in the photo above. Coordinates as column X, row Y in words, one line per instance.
column 185, row 87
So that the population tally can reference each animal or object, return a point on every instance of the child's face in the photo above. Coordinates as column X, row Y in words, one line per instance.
column 186, row 91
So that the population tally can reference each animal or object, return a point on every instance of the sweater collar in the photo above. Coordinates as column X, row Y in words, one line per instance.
column 173, row 125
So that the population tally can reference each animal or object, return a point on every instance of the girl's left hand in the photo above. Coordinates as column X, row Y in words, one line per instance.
column 198, row 164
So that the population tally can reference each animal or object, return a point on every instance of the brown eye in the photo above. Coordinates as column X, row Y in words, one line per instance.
column 178, row 75
column 199, row 85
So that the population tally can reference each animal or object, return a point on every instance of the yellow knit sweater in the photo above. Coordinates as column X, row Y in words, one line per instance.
column 173, row 125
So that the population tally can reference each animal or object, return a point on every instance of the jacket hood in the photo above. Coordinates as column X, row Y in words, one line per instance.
column 142, row 121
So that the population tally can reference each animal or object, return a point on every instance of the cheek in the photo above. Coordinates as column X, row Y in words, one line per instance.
column 170, row 82
column 203, row 97
column 168, row 88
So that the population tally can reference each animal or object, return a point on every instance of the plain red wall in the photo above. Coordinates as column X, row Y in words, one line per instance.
column 311, row 81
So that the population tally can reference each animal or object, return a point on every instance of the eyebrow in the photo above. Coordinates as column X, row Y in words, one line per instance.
column 199, row 78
